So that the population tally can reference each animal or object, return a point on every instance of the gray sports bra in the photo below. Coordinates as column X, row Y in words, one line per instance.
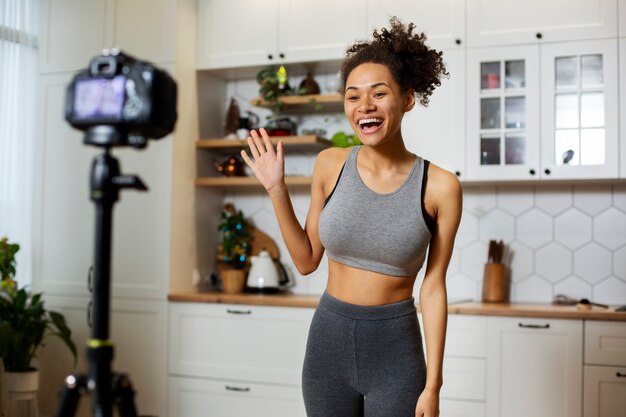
column 384, row 233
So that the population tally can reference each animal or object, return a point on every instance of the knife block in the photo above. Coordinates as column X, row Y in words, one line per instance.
column 494, row 283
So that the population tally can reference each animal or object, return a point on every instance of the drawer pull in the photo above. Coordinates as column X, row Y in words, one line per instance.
column 231, row 311
column 238, row 389
column 620, row 375
column 534, row 326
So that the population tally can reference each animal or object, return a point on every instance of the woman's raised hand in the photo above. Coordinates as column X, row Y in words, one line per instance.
column 268, row 165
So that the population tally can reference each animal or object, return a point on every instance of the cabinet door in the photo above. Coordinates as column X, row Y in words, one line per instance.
column 605, row 343
column 605, row 391
column 200, row 398
column 236, row 33
column 443, row 21
column 437, row 132
column 156, row 40
column 72, row 33
column 450, row 408
column 579, row 110
column 239, row 342
column 319, row 30
column 498, row 22
column 534, row 367
column 502, row 113
column 622, row 100
column 622, row 17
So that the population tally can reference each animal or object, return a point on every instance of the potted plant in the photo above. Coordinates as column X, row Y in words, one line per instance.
column 24, row 323
column 234, row 249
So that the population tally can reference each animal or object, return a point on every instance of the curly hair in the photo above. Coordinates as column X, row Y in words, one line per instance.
column 411, row 62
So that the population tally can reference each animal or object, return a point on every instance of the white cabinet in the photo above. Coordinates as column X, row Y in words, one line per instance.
column 74, row 31
column 622, row 100
column 239, row 33
column 605, row 369
column 622, row 17
column 534, row 367
column 200, row 398
column 246, row 357
column 464, row 371
column 503, row 113
column 443, row 21
column 557, row 100
column 579, row 110
column 498, row 22
column 437, row 132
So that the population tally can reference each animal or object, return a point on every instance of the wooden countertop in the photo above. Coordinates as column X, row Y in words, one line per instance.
column 538, row 310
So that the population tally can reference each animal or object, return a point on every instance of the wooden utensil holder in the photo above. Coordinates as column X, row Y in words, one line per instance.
column 494, row 283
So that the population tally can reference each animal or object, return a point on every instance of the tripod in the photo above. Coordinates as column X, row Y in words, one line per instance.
column 107, row 388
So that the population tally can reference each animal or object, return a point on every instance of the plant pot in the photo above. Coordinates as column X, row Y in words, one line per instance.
column 21, row 389
column 233, row 280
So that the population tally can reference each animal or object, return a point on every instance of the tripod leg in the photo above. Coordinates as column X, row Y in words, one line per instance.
column 73, row 387
column 124, row 396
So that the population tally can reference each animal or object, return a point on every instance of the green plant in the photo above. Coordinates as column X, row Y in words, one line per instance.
column 24, row 322
column 236, row 237
column 343, row 140
column 7, row 258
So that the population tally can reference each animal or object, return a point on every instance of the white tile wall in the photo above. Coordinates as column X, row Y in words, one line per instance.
column 562, row 238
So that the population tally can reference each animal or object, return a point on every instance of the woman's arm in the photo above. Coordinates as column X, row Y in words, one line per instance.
column 304, row 245
column 433, row 297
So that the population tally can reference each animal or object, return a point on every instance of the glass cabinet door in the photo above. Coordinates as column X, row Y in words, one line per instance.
column 579, row 105
column 502, row 113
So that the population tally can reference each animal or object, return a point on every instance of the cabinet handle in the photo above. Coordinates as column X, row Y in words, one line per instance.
column 281, row 55
column 231, row 311
column 534, row 326
column 238, row 389
column 547, row 171
column 539, row 35
column 270, row 56
column 620, row 375
column 457, row 41
column 532, row 172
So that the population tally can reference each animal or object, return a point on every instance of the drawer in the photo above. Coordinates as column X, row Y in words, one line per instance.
column 466, row 336
column 238, row 342
column 451, row 408
column 463, row 379
column 605, row 343
column 605, row 391
column 200, row 398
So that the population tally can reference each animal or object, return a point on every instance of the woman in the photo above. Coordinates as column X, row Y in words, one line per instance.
column 375, row 209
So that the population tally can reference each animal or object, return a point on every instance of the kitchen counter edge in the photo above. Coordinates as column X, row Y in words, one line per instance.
column 538, row 310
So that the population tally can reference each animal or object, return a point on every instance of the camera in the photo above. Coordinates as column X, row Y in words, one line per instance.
column 120, row 101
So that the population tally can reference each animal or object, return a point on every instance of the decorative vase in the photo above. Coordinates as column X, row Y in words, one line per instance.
column 233, row 280
column 21, row 389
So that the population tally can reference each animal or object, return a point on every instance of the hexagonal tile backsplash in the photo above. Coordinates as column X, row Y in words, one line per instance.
column 562, row 238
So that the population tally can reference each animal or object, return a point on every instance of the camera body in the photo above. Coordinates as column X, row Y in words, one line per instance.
column 121, row 101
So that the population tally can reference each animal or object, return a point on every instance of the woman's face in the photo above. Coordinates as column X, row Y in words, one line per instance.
column 374, row 104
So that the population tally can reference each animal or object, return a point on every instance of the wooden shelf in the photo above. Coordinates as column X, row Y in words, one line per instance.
column 246, row 181
column 308, row 103
column 289, row 141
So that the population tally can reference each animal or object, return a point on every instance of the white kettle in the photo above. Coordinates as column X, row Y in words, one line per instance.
column 265, row 276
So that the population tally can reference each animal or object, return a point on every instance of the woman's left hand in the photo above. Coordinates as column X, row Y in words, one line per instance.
column 427, row 404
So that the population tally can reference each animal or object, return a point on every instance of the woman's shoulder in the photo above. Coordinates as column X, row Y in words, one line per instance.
column 443, row 183
column 331, row 158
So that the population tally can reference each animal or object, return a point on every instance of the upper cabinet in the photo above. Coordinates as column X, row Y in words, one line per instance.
column 240, row 33
column 580, row 110
column 443, row 21
column 547, row 111
column 102, row 24
column 502, row 113
column 506, row 22
column 622, row 107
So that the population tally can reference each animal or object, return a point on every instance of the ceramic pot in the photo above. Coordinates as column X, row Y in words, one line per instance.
column 21, row 389
column 233, row 280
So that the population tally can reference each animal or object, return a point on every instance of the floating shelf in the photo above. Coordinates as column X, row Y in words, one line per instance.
column 246, row 181
column 289, row 141
column 308, row 103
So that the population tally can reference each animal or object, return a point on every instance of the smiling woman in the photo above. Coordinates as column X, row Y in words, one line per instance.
column 18, row 69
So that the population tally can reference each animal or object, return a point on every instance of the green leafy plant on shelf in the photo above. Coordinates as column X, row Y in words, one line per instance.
column 235, row 247
column 24, row 320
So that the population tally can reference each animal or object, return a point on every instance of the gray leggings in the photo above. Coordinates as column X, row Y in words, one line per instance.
column 363, row 361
